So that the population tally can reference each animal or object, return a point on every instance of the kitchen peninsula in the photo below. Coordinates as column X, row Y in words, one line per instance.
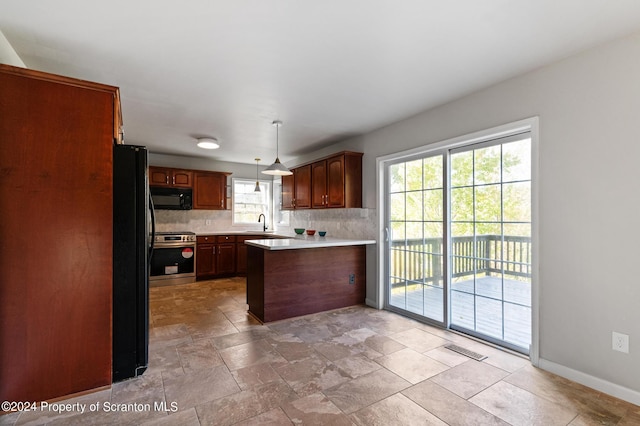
column 304, row 275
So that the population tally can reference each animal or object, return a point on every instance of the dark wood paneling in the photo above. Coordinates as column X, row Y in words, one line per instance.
column 304, row 281
column 56, row 235
column 255, row 281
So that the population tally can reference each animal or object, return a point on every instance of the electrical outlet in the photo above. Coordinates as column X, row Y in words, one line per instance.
column 352, row 278
column 207, row 222
column 620, row 342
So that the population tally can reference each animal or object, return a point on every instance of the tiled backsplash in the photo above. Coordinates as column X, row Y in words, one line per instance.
column 339, row 223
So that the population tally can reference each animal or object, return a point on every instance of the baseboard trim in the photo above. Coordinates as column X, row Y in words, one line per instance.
column 371, row 303
column 593, row 382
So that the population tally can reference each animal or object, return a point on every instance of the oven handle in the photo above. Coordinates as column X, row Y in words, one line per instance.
column 177, row 244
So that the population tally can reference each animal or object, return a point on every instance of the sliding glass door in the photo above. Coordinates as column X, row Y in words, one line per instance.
column 459, row 239
column 416, row 235
column 490, row 251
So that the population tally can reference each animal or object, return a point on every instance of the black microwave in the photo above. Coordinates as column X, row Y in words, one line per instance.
column 171, row 198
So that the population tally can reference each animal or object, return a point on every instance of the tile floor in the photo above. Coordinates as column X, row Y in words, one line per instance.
column 210, row 363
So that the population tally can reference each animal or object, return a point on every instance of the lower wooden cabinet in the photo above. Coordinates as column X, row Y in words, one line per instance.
column 225, row 254
column 215, row 256
column 205, row 263
column 222, row 255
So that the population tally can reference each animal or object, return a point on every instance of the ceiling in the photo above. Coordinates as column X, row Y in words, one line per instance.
column 328, row 69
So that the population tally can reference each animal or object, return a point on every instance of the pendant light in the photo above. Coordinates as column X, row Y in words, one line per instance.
column 257, row 181
column 277, row 168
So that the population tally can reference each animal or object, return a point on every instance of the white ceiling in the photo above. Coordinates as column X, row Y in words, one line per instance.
column 328, row 69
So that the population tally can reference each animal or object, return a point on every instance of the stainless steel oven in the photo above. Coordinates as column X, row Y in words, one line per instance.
column 174, row 259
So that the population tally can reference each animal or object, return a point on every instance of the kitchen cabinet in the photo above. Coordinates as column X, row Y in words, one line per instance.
column 344, row 181
column 57, row 172
column 288, row 190
column 319, row 184
column 226, row 254
column 330, row 182
column 210, row 190
column 223, row 255
column 168, row 177
column 215, row 256
column 296, row 189
column 302, row 198
column 205, row 257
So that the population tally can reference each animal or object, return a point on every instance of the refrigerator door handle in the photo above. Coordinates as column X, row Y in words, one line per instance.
column 153, row 229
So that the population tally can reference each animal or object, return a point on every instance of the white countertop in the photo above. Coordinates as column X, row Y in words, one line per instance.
column 265, row 233
column 305, row 241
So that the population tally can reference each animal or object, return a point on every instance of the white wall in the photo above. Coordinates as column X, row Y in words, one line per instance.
column 589, row 200
column 7, row 54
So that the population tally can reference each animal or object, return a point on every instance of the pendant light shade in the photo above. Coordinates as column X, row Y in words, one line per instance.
column 277, row 168
column 257, row 189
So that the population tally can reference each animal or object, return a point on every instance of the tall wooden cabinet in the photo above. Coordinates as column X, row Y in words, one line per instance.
column 56, row 163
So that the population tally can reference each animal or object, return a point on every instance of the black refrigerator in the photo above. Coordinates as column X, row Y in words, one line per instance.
column 132, row 223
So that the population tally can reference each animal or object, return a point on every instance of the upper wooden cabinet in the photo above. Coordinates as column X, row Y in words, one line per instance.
column 288, row 190
column 319, row 186
column 302, row 185
column 333, row 182
column 210, row 190
column 168, row 177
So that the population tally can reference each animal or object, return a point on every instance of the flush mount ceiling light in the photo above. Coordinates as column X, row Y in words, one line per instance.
column 257, row 189
column 208, row 143
column 277, row 168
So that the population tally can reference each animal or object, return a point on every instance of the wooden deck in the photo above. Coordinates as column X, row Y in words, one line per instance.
column 482, row 312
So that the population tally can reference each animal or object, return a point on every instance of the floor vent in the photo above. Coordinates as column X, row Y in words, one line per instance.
column 466, row 352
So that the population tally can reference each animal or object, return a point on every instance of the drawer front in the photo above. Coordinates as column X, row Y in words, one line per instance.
column 225, row 239
column 206, row 239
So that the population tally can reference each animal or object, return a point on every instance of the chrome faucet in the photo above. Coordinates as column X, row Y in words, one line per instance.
column 264, row 227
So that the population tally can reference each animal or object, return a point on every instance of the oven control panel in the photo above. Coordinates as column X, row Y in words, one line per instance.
column 174, row 238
